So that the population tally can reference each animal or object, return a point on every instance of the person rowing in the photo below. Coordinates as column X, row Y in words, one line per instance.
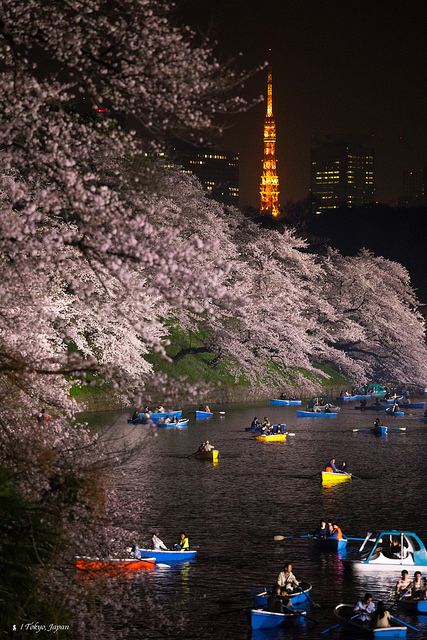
column 287, row 579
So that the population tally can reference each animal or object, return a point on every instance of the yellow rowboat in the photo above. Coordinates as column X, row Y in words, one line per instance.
column 212, row 456
column 276, row 437
column 329, row 477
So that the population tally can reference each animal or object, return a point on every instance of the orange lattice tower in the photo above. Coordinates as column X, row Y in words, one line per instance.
column 269, row 188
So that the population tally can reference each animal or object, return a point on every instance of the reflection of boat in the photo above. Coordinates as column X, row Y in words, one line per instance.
column 273, row 437
column 390, row 550
column 345, row 614
column 170, row 555
column 297, row 597
column 203, row 414
column 329, row 544
column 262, row 619
column 181, row 423
column 113, row 566
column 329, row 477
column 211, row 456
column 316, row 414
column 286, row 402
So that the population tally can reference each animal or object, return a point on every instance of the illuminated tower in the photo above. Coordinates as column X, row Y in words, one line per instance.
column 269, row 188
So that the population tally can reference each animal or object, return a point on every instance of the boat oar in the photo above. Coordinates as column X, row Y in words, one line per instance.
column 405, row 624
column 300, row 613
column 356, row 539
column 308, row 596
column 364, row 429
column 308, row 535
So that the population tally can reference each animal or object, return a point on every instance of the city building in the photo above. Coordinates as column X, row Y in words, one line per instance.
column 218, row 172
column 269, row 188
column 342, row 172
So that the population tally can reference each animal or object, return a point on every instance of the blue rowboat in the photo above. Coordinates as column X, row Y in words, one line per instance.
column 329, row 544
column 414, row 605
column 345, row 614
column 162, row 555
column 379, row 431
column 286, row 402
column 302, row 596
column 395, row 413
column 156, row 417
column 203, row 414
column 262, row 619
column 315, row 414
column 181, row 423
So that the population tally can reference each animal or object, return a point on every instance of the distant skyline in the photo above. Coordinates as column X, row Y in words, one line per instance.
column 338, row 68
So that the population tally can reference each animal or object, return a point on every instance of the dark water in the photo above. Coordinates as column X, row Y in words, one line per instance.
column 232, row 511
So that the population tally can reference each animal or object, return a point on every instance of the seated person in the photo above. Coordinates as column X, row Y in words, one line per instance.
column 183, row 543
column 157, row 543
column 418, row 588
column 336, row 532
column 365, row 608
column 275, row 602
column 208, row 446
column 403, row 584
column 255, row 423
column 287, row 579
column 381, row 617
column 322, row 530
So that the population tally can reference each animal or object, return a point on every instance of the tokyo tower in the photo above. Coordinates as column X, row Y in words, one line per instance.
column 269, row 188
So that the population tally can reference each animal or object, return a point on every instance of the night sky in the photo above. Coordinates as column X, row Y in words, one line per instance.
column 348, row 66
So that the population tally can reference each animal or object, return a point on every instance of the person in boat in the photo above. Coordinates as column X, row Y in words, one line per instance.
column 395, row 548
column 183, row 543
column 283, row 396
column 157, row 543
column 275, row 600
column 363, row 403
column 160, row 409
column 343, row 467
column 331, row 466
column 264, row 430
column 395, row 407
column 166, row 420
column 175, row 418
column 377, row 423
column 418, row 587
column 336, row 532
column 287, row 579
column 381, row 617
column 403, row 586
column 330, row 527
column 266, row 422
column 136, row 414
column 365, row 608
column 321, row 531
column 255, row 423
column 209, row 446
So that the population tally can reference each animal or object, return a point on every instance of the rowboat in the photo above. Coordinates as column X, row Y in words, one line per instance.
column 331, row 477
column 170, row 555
column 263, row 619
column 395, row 413
column 156, row 417
column 329, row 544
column 181, row 423
column 315, row 414
column 390, row 550
column 414, row 605
column 297, row 597
column 273, row 437
column 345, row 614
column 211, row 456
column 203, row 414
column 285, row 402
column 379, row 431
column 112, row 566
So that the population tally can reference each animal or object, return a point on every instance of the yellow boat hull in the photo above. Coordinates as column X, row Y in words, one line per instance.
column 212, row 456
column 277, row 437
column 329, row 477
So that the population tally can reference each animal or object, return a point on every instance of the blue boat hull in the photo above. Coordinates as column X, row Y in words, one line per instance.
column 414, row 606
column 379, row 431
column 315, row 414
column 262, row 619
column 203, row 414
column 285, row 402
column 169, row 555
column 395, row 413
